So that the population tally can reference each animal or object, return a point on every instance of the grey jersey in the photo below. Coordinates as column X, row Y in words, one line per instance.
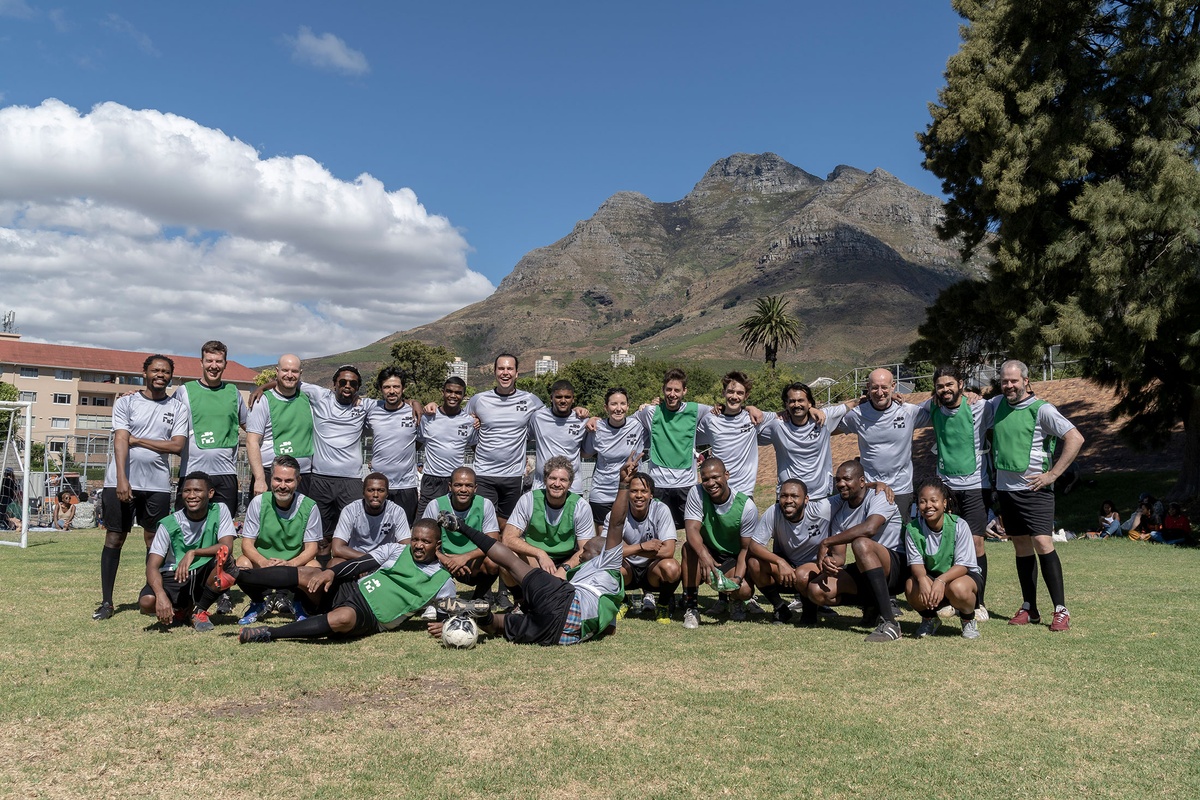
column 192, row 531
column 259, row 423
column 964, row 545
column 1050, row 422
column 843, row 516
column 490, row 522
column 364, row 532
column 735, row 442
column 337, row 433
column 612, row 447
column 798, row 541
column 503, row 431
column 144, row 418
column 557, row 436
column 214, row 461
column 585, row 527
column 393, row 443
column 665, row 477
column 885, row 442
column 657, row 526
column 693, row 509
column 593, row 579
column 803, row 451
column 312, row 529
column 982, row 415
column 446, row 441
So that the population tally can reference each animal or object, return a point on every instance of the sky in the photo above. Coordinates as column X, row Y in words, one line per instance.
column 309, row 177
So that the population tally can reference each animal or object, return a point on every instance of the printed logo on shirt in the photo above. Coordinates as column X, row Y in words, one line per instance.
column 522, row 405
column 208, row 437
column 464, row 431
column 631, row 439
column 169, row 418
column 574, row 429
column 898, row 423
column 284, row 448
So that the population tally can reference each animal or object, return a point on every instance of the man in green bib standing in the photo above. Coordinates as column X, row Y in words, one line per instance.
column 281, row 425
column 1025, row 433
column 462, row 557
column 672, row 426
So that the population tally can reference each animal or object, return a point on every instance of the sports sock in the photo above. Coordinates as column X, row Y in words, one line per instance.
column 982, row 583
column 666, row 593
column 1053, row 576
column 208, row 596
column 482, row 541
column 967, row 617
column 518, row 594
column 269, row 578
column 352, row 568
column 1027, row 574
column 303, row 629
column 772, row 595
column 878, row 583
column 483, row 587
column 110, row 559
column 691, row 597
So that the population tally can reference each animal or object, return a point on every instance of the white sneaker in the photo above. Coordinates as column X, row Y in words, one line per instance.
column 429, row 613
column 796, row 605
column 971, row 629
column 946, row 612
column 981, row 614
column 754, row 608
column 737, row 611
column 649, row 606
column 691, row 619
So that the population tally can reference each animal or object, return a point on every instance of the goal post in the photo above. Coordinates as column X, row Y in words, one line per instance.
column 16, row 425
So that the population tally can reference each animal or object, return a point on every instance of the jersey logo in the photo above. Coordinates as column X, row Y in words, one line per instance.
column 898, row 423
column 283, row 448
column 169, row 418
column 574, row 429
column 523, row 405
column 208, row 437
column 631, row 439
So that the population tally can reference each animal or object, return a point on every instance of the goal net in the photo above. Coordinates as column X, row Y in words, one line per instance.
column 16, row 423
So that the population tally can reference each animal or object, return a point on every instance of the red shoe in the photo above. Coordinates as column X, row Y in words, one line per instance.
column 1023, row 617
column 222, row 579
column 1061, row 621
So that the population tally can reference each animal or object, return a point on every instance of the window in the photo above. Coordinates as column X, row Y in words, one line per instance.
column 64, row 375
column 93, row 422
column 84, row 400
column 27, row 397
column 98, row 377
column 55, row 447
column 60, row 422
column 61, row 399
column 29, row 372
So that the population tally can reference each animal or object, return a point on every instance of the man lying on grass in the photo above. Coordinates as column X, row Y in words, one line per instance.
column 407, row 579
column 556, row 610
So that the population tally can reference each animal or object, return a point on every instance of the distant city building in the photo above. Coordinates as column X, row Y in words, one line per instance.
column 456, row 368
column 545, row 366
column 622, row 358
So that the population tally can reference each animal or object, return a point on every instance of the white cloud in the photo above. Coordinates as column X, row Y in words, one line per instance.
column 144, row 230
column 326, row 52
column 123, row 26
column 15, row 8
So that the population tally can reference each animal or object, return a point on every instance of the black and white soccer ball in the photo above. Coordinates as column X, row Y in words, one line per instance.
column 460, row 633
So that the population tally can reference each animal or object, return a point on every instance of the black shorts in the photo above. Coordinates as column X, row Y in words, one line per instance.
column 332, row 494
column 897, row 574
column 972, row 575
column 502, row 491
column 972, row 506
column 406, row 499
column 304, row 485
column 186, row 594
column 547, row 602
column 432, row 487
column 639, row 576
column 365, row 621
column 1028, row 513
column 600, row 511
column 225, row 490
column 149, row 508
column 675, row 497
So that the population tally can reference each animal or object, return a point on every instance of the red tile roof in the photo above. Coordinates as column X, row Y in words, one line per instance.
column 94, row 359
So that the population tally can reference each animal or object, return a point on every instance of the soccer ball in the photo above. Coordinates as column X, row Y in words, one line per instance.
column 460, row 633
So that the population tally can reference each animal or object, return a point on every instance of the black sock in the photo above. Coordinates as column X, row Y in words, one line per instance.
column 269, row 578
column 485, row 621
column 304, row 629
column 110, row 559
column 772, row 595
column 481, row 540
column 983, row 575
column 1027, row 574
column 808, row 609
column 691, row 597
column 482, row 588
column 965, row 617
column 878, row 583
column 1052, row 575
column 208, row 596
column 666, row 593
column 517, row 594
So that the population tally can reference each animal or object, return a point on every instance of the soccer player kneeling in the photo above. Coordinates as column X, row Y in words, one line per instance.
column 941, row 558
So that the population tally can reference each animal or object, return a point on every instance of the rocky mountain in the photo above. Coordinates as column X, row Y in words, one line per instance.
column 856, row 253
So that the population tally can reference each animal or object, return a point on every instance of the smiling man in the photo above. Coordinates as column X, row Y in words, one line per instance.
column 393, row 426
column 446, row 432
column 648, row 553
column 731, row 432
column 796, row 524
column 672, row 427
column 281, row 425
column 214, row 411
column 464, row 560
column 557, row 431
column 148, row 427
column 369, row 523
column 801, row 439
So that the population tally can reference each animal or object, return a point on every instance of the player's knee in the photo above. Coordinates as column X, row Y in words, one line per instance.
column 342, row 619
column 669, row 571
column 146, row 604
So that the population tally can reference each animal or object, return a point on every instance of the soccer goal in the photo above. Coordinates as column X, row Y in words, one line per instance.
column 16, row 423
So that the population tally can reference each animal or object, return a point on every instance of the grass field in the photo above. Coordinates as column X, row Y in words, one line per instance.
column 127, row 709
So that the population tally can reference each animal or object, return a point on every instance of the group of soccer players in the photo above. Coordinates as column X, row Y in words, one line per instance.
column 346, row 555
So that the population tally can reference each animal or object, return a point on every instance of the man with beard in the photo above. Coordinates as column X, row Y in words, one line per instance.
column 797, row 524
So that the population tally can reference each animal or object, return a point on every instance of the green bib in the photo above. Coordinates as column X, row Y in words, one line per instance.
column 291, row 425
column 400, row 589
column 208, row 538
column 606, row 612
column 943, row 559
column 673, row 437
column 723, row 532
column 955, row 441
column 557, row 540
column 278, row 537
column 214, row 415
column 456, row 542
column 1012, row 437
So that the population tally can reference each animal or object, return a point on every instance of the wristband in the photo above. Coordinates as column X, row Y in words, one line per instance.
column 622, row 486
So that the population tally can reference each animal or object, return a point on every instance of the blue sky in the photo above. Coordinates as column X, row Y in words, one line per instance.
column 486, row 130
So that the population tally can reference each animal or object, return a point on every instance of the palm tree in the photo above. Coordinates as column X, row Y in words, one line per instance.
column 771, row 327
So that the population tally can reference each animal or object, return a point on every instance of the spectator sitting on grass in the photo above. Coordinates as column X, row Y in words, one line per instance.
column 1141, row 524
column 1176, row 528
column 64, row 511
column 1110, row 520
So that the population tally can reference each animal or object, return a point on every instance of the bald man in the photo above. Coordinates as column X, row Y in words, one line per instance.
column 884, row 426
column 281, row 425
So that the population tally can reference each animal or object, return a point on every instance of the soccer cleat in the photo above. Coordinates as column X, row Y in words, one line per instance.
column 719, row 607
column 253, row 612
column 928, row 627
column 737, row 611
column 223, row 578
column 201, row 622
column 649, row 606
column 503, row 600
column 826, row 611
column 1023, row 617
column 181, row 616
column 225, row 604
column 630, row 607
column 691, row 618
column 298, row 611
column 754, row 608
column 454, row 606
column 886, row 631
column 897, row 611
column 104, row 611
column 796, row 605
column 781, row 616
column 970, row 629
column 1062, row 619
column 981, row 614
column 429, row 614
column 279, row 603
column 662, row 616
column 260, row 633
column 947, row 611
